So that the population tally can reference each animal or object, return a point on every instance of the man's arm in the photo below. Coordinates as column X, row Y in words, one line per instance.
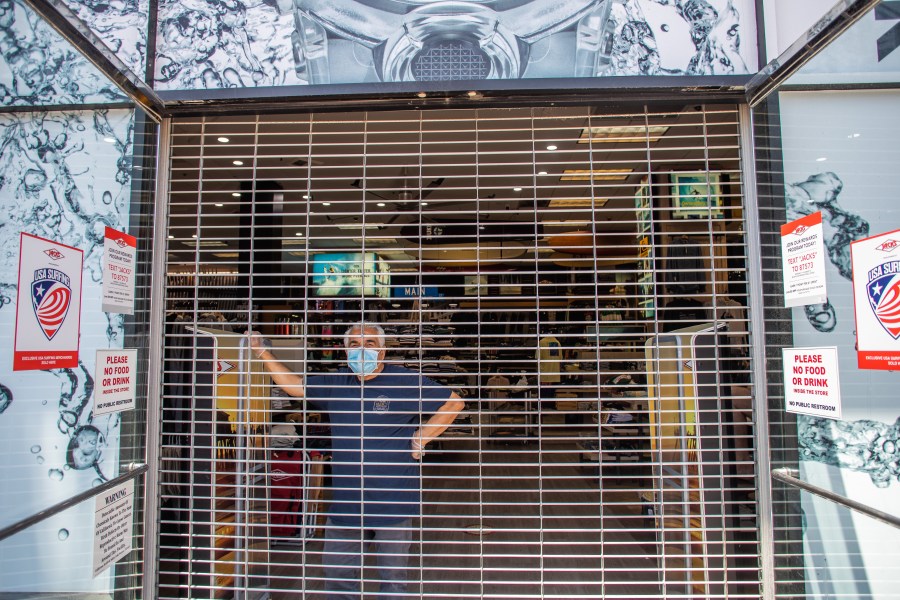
column 437, row 424
column 283, row 377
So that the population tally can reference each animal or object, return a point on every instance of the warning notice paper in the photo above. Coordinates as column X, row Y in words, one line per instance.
column 113, row 517
column 114, row 375
column 118, row 272
column 803, row 261
column 811, row 382
column 876, row 297
column 48, row 305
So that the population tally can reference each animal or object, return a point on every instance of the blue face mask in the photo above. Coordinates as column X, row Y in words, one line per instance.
column 362, row 361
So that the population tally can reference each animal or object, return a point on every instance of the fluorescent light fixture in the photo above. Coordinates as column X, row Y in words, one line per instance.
column 542, row 172
column 360, row 226
column 595, row 175
column 223, row 140
column 551, row 147
column 206, row 244
column 517, row 189
column 226, row 254
column 238, row 163
column 326, row 204
column 577, row 202
column 299, row 234
column 375, row 240
column 306, row 196
column 381, row 204
column 236, row 194
column 622, row 133
column 219, row 204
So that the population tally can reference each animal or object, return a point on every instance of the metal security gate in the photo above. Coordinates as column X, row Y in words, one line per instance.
column 575, row 275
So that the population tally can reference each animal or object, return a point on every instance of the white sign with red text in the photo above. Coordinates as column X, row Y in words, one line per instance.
column 119, row 251
column 803, row 261
column 811, row 382
column 114, row 388
column 876, row 299
column 48, row 305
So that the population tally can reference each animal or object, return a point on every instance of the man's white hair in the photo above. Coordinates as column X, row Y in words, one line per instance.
column 361, row 328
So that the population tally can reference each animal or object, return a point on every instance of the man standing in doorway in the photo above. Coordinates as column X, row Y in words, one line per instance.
column 376, row 411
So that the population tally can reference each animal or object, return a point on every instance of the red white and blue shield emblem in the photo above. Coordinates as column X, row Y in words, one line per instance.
column 50, row 300
column 884, row 298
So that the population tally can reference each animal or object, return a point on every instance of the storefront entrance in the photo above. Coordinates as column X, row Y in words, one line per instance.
column 576, row 275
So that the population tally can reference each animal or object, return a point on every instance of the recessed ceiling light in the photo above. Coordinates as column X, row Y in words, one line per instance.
column 551, row 147
column 236, row 194
column 381, row 204
column 224, row 140
column 238, row 163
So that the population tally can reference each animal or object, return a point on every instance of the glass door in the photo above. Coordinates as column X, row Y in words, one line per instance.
column 825, row 130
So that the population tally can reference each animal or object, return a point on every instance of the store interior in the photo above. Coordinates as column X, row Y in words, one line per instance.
column 553, row 266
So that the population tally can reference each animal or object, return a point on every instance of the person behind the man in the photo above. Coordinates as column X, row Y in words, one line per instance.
column 376, row 411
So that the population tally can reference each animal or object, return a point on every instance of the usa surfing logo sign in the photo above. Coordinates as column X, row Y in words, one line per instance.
column 884, row 295
column 875, row 264
column 48, row 305
column 51, row 295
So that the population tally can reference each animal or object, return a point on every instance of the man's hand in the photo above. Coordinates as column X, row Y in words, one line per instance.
column 258, row 343
column 418, row 445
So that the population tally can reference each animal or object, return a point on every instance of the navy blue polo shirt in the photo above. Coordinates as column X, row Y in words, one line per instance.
column 375, row 480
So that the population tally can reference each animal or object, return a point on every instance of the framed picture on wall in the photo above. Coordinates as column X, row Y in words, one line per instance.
column 696, row 195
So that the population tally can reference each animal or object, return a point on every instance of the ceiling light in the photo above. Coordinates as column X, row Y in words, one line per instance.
column 421, row 95
column 219, row 204
column 360, row 226
column 622, row 133
column 238, row 163
column 171, row 237
column 326, row 204
column 517, row 189
column 194, row 235
column 577, row 202
column 595, row 174
column 306, row 196
column 224, row 140
column 542, row 172
column 299, row 234
column 381, row 204
column 236, row 194
column 424, row 203
column 551, row 147
column 226, row 254
column 205, row 243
